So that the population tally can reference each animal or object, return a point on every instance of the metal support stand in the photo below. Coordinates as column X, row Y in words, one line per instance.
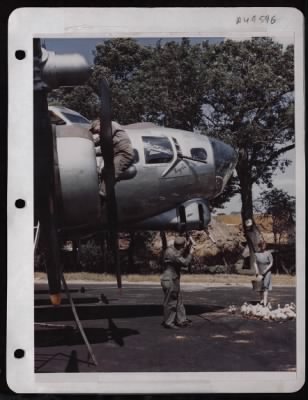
column 77, row 320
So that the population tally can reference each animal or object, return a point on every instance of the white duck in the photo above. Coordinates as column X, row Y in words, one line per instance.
column 266, row 312
column 290, row 314
column 249, row 309
column 293, row 307
column 244, row 308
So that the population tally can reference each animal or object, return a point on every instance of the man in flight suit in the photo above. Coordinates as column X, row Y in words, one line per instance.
column 123, row 154
column 175, row 259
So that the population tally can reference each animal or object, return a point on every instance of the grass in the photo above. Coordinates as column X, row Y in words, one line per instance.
column 219, row 279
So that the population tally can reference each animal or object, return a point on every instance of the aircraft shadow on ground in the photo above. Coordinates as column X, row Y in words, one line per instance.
column 96, row 312
column 72, row 337
column 65, row 301
column 46, row 291
column 73, row 362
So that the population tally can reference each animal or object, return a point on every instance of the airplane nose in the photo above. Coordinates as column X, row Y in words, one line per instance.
column 225, row 161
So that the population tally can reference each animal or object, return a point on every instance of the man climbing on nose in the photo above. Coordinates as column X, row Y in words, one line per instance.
column 123, row 154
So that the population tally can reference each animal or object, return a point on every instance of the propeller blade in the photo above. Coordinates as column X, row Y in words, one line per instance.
column 106, row 144
column 45, row 209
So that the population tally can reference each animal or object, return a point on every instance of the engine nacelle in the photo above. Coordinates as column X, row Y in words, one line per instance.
column 64, row 69
column 76, row 178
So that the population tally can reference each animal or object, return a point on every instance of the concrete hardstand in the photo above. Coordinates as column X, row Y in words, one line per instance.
column 124, row 329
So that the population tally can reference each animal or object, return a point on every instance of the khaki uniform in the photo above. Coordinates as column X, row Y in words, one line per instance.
column 174, row 310
column 123, row 154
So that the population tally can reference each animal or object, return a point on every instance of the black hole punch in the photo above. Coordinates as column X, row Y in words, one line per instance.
column 20, row 54
column 19, row 353
column 20, row 203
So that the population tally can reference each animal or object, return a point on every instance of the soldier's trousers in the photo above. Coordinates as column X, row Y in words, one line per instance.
column 174, row 310
column 121, row 162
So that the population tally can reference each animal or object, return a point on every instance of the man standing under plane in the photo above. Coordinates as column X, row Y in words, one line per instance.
column 175, row 258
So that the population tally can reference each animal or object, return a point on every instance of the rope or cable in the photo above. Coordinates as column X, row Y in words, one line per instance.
column 37, row 235
column 77, row 320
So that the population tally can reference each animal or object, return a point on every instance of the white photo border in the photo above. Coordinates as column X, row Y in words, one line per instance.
column 25, row 24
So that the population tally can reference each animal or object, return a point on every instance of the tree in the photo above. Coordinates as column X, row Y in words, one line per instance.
column 80, row 98
column 119, row 61
column 281, row 206
column 170, row 85
column 248, row 98
column 229, row 191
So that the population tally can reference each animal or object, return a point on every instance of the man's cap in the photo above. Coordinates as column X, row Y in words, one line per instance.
column 248, row 222
column 179, row 241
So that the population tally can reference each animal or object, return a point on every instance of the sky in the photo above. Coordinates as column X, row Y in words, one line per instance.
column 86, row 46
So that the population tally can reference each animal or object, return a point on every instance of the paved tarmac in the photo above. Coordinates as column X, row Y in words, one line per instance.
column 127, row 336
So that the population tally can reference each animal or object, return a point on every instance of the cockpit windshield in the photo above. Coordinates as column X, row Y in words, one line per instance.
column 157, row 150
column 76, row 118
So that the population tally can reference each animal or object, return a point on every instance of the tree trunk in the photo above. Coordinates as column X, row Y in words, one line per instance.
column 244, row 174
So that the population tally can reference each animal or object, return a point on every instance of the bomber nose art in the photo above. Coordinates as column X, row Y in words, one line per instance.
column 225, row 161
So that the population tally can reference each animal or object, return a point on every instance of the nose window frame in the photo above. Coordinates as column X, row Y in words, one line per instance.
column 198, row 153
column 157, row 143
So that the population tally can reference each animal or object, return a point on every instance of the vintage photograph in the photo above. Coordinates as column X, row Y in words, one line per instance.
column 164, row 204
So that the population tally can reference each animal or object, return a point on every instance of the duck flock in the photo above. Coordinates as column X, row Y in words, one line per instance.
column 266, row 313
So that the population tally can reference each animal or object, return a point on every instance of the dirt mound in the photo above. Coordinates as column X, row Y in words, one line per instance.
column 212, row 245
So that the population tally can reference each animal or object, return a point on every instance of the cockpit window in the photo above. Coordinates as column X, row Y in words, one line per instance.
column 198, row 154
column 76, row 118
column 157, row 150
column 55, row 119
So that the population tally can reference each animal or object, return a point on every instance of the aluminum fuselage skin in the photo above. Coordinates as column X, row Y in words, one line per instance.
column 156, row 188
column 150, row 192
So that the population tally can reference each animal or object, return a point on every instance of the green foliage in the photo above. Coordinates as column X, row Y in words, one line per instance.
column 277, row 203
column 80, row 98
column 119, row 61
column 170, row 82
column 121, row 56
column 91, row 257
column 229, row 191
column 249, row 104
column 281, row 206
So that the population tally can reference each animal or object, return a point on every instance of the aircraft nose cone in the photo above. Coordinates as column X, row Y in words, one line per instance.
column 225, row 158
